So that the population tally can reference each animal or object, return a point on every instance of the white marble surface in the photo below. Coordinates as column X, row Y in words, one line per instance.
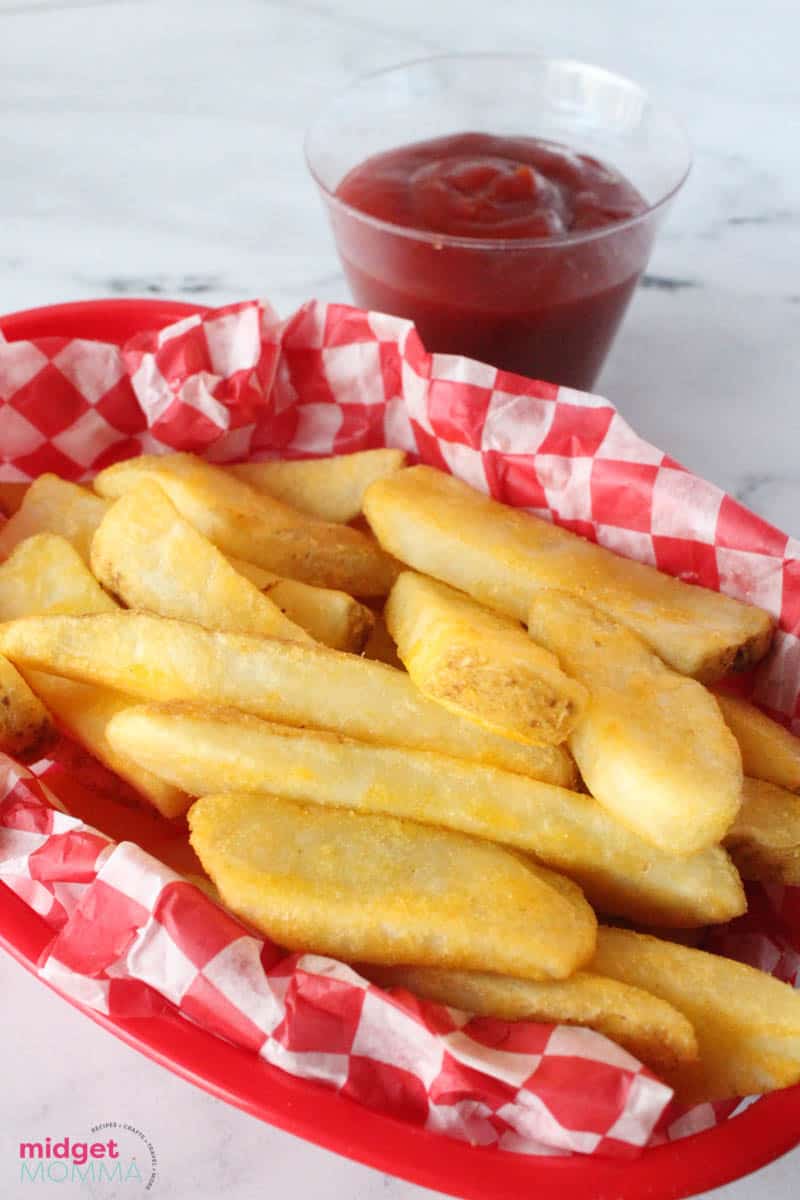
column 155, row 148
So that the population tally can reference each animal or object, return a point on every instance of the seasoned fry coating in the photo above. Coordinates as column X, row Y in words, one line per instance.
column 257, row 575
column 160, row 659
column 197, row 748
column 85, row 710
column 52, row 505
column 764, row 841
column 256, row 527
column 328, row 488
column 503, row 557
column 155, row 561
column 684, row 937
column 479, row 664
column 25, row 727
column 331, row 617
column 652, row 745
column 46, row 575
column 648, row 1028
column 396, row 784
column 747, row 1023
column 379, row 889
column 768, row 750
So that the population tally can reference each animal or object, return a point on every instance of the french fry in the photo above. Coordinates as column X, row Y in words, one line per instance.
column 764, row 841
column 379, row 889
column 567, row 887
column 155, row 561
column 45, row 574
column 52, row 505
column 199, row 749
column 479, row 664
column 652, row 745
column 648, row 1028
column 25, row 727
column 11, row 496
column 256, row 527
column 769, row 751
column 328, row 488
column 331, row 617
column 257, row 575
column 747, row 1023
column 503, row 557
column 684, row 937
column 84, row 711
column 160, row 659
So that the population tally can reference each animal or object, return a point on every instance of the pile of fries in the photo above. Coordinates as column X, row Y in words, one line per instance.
column 425, row 733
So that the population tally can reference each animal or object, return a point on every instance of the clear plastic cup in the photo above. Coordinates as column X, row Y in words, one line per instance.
column 547, row 308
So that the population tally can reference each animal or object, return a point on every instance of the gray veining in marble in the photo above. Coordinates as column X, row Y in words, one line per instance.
column 154, row 148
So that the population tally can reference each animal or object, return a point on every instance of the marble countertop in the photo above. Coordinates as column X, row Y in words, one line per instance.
column 155, row 149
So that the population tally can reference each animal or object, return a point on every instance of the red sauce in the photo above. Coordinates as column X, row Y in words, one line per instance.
column 547, row 308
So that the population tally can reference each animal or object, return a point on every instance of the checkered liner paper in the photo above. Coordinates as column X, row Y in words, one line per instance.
column 133, row 938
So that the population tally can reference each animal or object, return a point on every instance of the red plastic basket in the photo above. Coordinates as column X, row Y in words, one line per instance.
column 742, row 1144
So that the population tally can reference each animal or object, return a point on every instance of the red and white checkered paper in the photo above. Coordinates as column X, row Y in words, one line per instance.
column 131, row 937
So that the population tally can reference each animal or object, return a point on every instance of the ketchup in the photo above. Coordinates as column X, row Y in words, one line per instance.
column 545, row 297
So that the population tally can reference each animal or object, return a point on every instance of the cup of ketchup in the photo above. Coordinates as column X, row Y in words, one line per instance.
column 507, row 204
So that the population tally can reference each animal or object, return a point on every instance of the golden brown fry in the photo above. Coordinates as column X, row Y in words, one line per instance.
column 747, row 1023
column 46, row 575
column 503, row 557
column 769, row 751
column 11, row 496
column 25, row 727
column 652, row 745
column 155, row 561
column 52, row 505
column 85, row 711
column 648, row 1028
column 257, row 575
column 160, row 659
column 684, row 937
column 200, row 749
column 764, row 841
column 380, row 889
column 253, row 526
column 328, row 488
column 479, row 664
column 331, row 617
